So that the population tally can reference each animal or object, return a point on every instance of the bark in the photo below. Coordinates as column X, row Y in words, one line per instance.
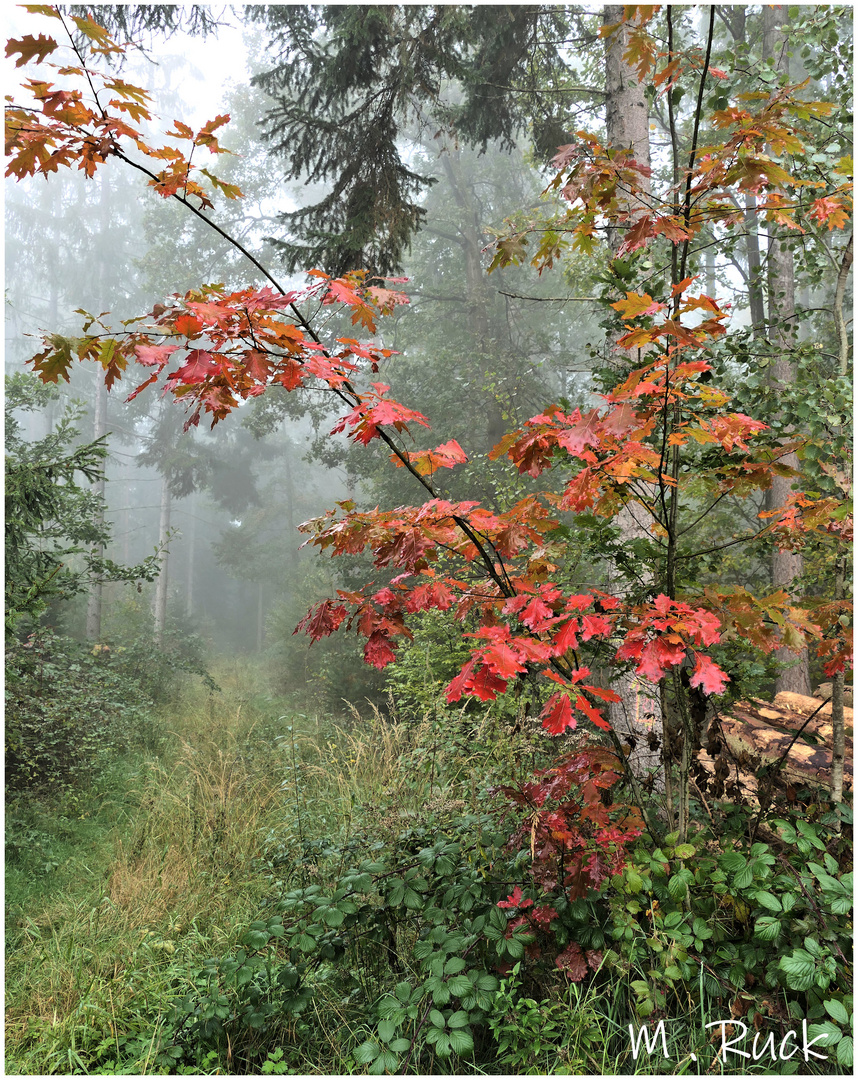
column 160, row 609
column 837, row 717
column 96, row 591
column 756, row 298
column 191, row 554
column 787, row 566
column 477, row 299
column 838, row 726
column 639, row 710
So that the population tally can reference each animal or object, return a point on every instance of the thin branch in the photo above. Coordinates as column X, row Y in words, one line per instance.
column 552, row 299
column 839, row 294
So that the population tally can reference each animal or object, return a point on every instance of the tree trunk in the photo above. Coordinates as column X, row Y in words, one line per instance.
column 787, row 566
column 837, row 720
column 191, row 555
column 470, row 240
column 96, row 590
column 638, row 712
column 160, row 609
column 756, row 293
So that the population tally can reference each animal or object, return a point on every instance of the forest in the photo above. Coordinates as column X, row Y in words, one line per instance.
column 428, row 540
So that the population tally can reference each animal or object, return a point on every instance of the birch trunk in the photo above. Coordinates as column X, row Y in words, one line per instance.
column 638, row 712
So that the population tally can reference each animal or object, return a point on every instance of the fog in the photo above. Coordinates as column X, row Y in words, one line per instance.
column 223, row 505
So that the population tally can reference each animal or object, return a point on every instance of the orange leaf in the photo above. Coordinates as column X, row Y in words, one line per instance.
column 29, row 47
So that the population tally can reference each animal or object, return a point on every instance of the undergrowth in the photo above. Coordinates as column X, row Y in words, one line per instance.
column 274, row 892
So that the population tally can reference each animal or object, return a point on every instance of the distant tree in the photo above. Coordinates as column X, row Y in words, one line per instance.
column 55, row 527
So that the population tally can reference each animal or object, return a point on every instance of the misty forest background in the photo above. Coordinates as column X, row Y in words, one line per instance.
column 178, row 759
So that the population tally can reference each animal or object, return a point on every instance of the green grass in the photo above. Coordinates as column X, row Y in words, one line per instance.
column 117, row 895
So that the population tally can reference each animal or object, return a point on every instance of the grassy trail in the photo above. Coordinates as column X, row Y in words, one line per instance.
column 115, row 895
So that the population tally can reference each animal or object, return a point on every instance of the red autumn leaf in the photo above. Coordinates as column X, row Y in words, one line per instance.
column 198, row 367
column 485, row 686
column 258, row 365
column 457, row 687
column 591, row 712
column 578, row 602
column 635, row 305
column 572, row 962
column 289, row 374
column 427, row 461
column 651, row 662
column 581, row 434
column 152, row 355
column 637, row 236
column 322, row 619
column 681, row 286
column 594, row 626
column 536, row 612
column 708, row 676
column 566, row 637
column 515, row 900
column 187, row 325
column 377, row 650
column 580, row 492
column 434, row 595
column 557, row 714
column 502, row 660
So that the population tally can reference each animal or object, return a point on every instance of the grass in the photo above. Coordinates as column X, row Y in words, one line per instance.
column 114, row 896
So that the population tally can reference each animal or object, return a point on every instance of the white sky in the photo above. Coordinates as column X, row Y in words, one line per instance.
column 213, row 63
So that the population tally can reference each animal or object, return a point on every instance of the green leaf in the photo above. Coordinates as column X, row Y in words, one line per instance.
column 683, row 851
column 788, row 902
column 386, row 1062
column 677, row 887
column 799, row 968
column 367, row 1051
column 767, row 928
column 454, row 965
column 399, row 1046
column 459, row 1019
column 461, row 1041
column 837, row 1011
column 845, row 1051
column 807, row 830
column 768, row 900
column 459, row 985
column 831, row 1032
column 745, row 876
column 386, row 1030
column 437, row 1018
column 255, row 939
column 514, row 948
column 701, row 930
